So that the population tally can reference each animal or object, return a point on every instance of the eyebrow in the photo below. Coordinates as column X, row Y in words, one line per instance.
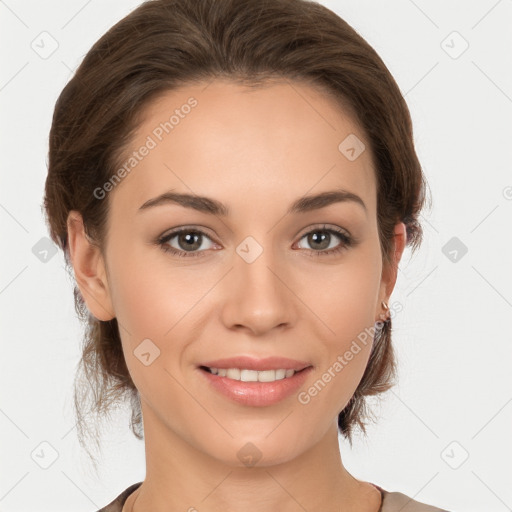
column 214, row 207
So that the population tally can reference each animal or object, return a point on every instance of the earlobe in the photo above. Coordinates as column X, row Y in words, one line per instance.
column 89, row 269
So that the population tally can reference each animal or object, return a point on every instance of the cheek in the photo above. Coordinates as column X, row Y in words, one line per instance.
column 342, row 363
column 152, row 315
column 344, row 299
column 150, row 294
column 344, row 295
column 161, row 302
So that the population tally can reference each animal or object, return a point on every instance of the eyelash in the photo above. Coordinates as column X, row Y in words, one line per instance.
column 347, row 241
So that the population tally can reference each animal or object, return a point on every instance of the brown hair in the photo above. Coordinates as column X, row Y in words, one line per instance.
column 164, row 44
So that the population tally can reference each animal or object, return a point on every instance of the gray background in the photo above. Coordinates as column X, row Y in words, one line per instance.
column 444, row 431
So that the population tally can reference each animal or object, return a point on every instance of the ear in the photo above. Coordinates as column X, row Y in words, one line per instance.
column 89, row 268
column 390, row 271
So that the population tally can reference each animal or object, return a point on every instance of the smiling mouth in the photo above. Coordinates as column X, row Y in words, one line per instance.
column 246, row 375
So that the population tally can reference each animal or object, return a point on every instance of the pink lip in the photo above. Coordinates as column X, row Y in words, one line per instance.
column 249, row 363
column 256, row 394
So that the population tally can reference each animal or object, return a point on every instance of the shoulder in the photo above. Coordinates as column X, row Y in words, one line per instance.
column 116, row 505
column 392, row 501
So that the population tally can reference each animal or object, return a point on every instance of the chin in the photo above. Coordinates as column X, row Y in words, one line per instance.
column 265, row 450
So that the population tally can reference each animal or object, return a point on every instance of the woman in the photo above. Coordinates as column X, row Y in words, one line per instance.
column 234, row 184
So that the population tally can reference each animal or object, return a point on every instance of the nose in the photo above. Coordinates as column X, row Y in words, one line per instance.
column 258, row 295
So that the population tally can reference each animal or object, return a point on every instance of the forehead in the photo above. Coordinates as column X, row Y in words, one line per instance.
column 219, row 139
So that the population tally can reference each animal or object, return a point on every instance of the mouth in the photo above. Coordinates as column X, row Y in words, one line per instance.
column 255, row 382
column 248, row 375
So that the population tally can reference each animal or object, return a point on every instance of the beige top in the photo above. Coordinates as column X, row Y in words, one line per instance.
column 391, row 502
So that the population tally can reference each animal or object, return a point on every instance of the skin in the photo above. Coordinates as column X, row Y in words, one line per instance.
column 256, row 151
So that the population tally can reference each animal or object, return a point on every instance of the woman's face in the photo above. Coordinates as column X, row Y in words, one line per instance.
column 258, row 280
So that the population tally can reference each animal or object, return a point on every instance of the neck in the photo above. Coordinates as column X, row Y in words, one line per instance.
column 180, row 477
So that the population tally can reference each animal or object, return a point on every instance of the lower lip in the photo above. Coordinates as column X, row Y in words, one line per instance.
column 257, row 394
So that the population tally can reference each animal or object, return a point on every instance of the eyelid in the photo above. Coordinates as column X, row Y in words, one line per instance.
column 327, row 227
column 186, row 227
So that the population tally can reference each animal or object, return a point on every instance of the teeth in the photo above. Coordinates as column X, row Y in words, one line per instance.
column 252, row 375
column 233, row 373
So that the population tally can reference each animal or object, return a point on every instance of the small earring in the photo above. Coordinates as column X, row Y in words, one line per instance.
column 384, row 316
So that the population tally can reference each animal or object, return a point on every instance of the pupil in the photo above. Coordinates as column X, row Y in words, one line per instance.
column 191, row 240
column 323, row 238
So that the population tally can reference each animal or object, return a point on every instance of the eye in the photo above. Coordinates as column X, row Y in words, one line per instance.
column 188, row 239
column 321, row 238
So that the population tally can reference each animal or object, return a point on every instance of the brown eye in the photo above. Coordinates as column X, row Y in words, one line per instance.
column 188, row 242
column 323, row 240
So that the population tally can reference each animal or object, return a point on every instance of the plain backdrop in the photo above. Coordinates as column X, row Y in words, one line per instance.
column 443, row 435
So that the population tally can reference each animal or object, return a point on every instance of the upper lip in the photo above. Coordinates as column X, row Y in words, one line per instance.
column 251, row 363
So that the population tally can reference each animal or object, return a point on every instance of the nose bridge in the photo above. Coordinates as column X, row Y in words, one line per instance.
column 257, row 297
